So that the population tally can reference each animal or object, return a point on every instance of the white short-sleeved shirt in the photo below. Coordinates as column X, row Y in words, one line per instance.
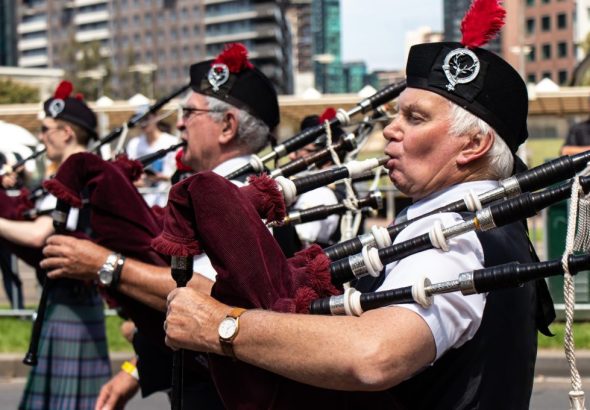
column 138, row 147
column 453, row 318
column 322, row 230
column 202, row 263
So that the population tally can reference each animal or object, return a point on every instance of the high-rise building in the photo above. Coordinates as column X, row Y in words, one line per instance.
column 327, row 62
column 549, row 39
column 355, row 76
column 453, row 12
column 8, row 54
column 155, row 41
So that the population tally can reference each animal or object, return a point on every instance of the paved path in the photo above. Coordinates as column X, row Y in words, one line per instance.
column 548, row 394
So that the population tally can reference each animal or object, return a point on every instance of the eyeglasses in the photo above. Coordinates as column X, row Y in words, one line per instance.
column 44, row 129
column 188, row 111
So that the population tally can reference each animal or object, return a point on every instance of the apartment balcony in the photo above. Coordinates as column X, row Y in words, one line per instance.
column 266, row 52
column 32, row 44
column 92, row 17
column 33, row 61
column 32, row 26
column 257, row 12
column 92, row 35
column 259, row 32
column 72, row 4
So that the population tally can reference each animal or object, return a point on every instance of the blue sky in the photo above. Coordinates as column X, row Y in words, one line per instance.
column 374, row 30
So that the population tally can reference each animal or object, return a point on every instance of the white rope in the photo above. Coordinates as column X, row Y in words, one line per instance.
column 576, row 395
column 349, row 225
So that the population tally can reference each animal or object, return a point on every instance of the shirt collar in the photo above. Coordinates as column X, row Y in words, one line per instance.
column 231, row 165
column 448, row 195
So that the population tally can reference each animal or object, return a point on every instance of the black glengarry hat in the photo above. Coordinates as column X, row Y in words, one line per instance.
column 71, row 109
column 233, row 79
column 476, row 79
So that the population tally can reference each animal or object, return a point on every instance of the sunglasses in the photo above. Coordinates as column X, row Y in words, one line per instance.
column 44, row 129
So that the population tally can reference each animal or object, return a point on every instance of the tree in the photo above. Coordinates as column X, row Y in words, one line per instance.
column 12, row 92
column 89, row 71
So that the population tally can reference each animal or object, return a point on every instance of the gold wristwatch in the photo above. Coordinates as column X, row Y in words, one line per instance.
column 228, row 330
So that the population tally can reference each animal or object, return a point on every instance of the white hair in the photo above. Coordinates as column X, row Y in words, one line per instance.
column 252, row 131
column 499, row 157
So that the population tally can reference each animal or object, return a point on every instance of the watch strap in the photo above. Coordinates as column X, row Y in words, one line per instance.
column 117, row 272
column 227, row 345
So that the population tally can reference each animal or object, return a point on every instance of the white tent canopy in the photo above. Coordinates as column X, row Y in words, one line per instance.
column 16, row 141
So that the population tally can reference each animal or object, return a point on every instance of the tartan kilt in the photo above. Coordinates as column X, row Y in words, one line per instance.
column 73, row 361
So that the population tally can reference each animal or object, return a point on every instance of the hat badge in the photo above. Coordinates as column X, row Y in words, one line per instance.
column 461, row 66
column 218, row 75
column 56, row 107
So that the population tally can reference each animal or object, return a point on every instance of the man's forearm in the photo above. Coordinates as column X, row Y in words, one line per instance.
column 574, row 149
column 27, row 233
column 151, row 284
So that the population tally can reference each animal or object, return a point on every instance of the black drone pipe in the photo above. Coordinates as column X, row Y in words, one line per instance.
column 309, row 135
column 318, row 158
column 370, row 203
column 60, row 217
column 154, row 156
column 134, row 120
column 22, row 161
column 536, row 178
column 182, row 272
column 290, row 189
column 499, row 214
column 505, row 276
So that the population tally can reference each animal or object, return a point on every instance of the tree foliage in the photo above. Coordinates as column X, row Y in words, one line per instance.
column 13, row 92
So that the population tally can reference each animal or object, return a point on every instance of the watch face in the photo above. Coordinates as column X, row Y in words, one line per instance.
column 227, row 328
column 105, row 276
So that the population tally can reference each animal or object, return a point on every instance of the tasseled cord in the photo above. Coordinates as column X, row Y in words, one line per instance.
column 576, row 395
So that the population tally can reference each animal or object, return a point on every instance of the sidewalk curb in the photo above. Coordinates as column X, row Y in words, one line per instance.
column 550, row 363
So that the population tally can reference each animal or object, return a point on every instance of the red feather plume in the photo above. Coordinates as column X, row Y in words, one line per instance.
column 328, row 114
column 235, row 57
column 483, row 21
column 79, row 97
column 63, row 90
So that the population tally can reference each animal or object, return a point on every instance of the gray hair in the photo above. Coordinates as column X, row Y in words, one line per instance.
column 499, row 157
column 252, row 131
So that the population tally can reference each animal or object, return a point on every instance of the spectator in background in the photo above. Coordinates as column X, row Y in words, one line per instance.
column 578, row 139
column 158, row 174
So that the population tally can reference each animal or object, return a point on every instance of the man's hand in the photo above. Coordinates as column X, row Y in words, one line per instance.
column 67, row 257
column 115, row 394
column 192, row 320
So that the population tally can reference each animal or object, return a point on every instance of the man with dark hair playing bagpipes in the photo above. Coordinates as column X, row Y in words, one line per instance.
column 460, row 121
column 73, row 360
column 230, row 114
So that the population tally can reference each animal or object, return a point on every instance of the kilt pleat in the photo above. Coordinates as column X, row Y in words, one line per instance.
column 73, row 360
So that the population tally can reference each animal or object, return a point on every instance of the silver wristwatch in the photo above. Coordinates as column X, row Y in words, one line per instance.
column 105, row 273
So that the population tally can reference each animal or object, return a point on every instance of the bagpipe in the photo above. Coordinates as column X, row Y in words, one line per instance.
column 253, row 273
column 512, row 275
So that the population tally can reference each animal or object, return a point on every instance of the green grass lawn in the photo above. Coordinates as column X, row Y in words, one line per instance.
column 16, row 333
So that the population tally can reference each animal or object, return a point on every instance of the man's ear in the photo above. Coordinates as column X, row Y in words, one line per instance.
column 69, row 132
column 229, row 127
column 476, row 146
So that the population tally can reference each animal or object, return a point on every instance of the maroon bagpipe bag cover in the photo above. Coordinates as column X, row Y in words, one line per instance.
column 207, row 212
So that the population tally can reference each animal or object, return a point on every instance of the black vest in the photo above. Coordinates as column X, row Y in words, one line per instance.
column 495, row 369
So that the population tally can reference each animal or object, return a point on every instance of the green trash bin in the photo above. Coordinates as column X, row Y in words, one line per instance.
column 555, row 233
